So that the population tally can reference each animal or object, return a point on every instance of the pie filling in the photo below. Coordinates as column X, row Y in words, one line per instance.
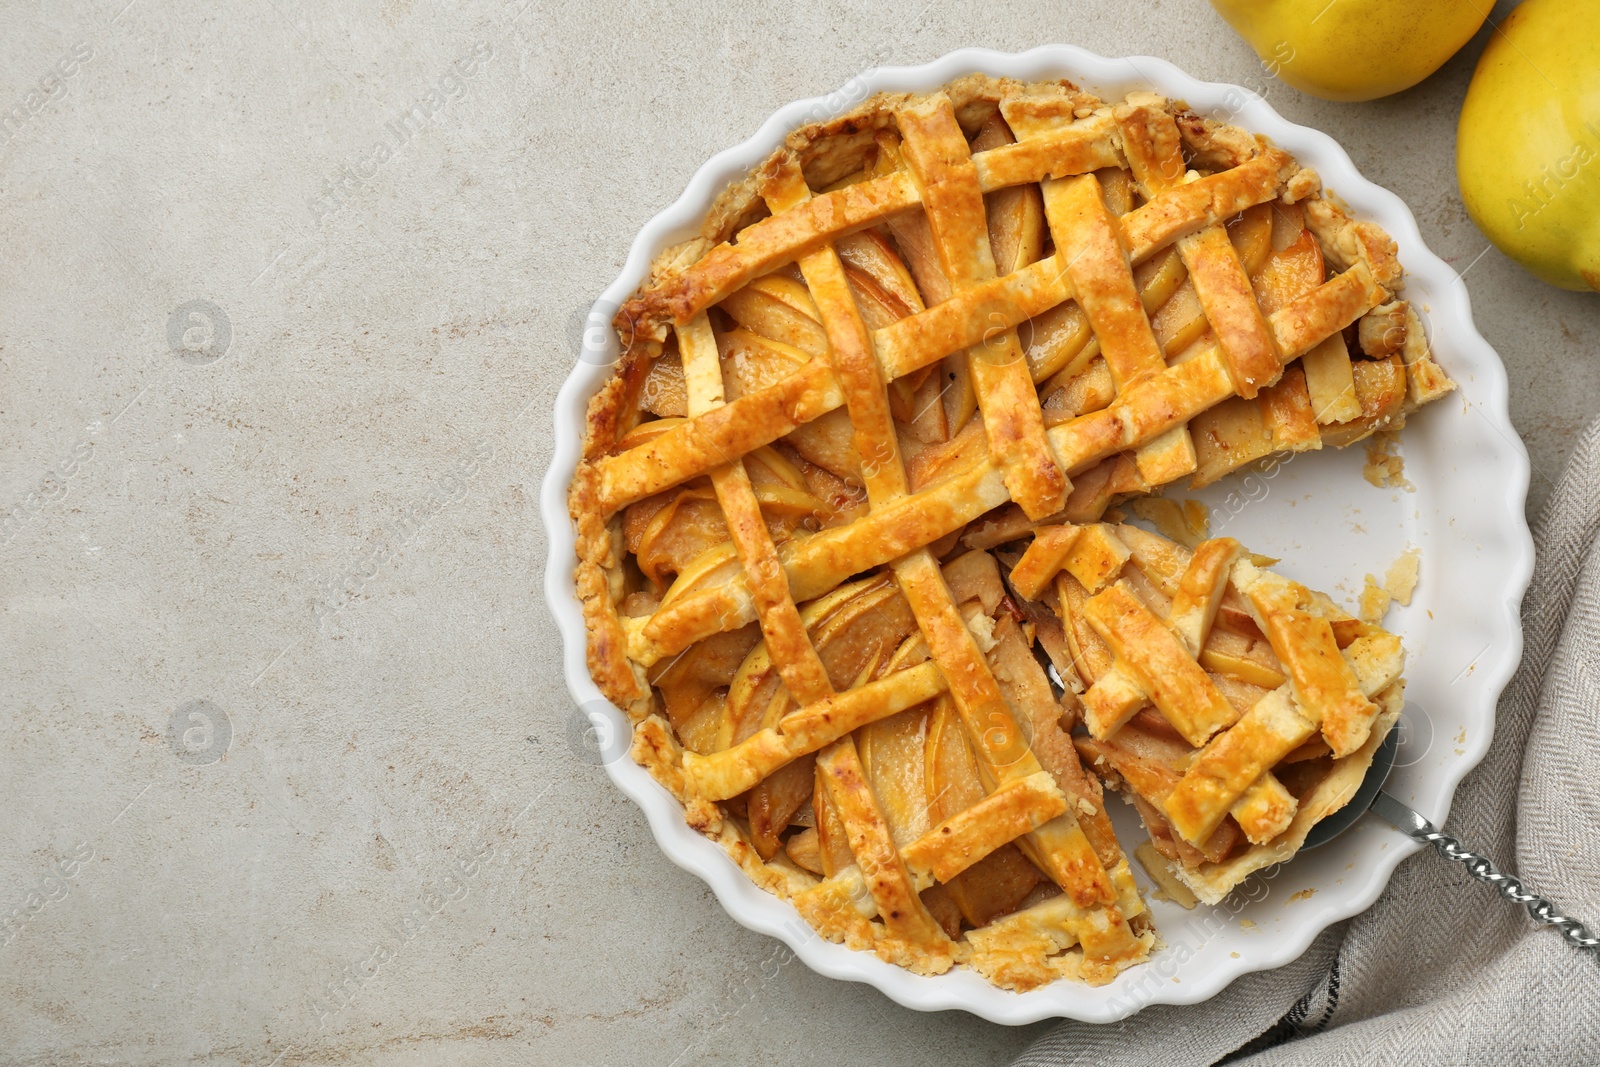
column 850, row 550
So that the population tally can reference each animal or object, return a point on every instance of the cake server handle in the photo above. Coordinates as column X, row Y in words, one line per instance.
column 1541, row 909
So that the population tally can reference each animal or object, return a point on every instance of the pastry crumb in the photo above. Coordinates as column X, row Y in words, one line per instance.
column 1304, row 894
column 1385, row 467
column 1374, row 602
column 1398, row 586
column 982, row 627
column 1401, row 581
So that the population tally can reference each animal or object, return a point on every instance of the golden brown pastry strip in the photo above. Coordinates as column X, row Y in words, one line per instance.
column 884, row 872
column 1273, row 728
column 1193, row 206
column 1154, row 657
column 1090, row 247
column 969, row 316
column 1200, row 590
column 1017, row 807
column 728, row 773
column 787, row 643
column 1059, row 847
column 1103, row 279
column 1043, row 559
column 1325, row 686
column 965, row 838
column 1152, row 145
column 1076, row 149
column 1267, row 807
column 936, row 150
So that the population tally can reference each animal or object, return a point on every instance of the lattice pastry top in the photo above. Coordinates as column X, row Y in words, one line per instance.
column 944, row 325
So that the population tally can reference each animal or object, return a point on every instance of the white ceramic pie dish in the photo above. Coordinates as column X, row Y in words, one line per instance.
column 1462, row 630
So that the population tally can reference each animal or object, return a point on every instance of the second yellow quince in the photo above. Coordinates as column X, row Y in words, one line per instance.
column 1528, row 147
column 1354, row 49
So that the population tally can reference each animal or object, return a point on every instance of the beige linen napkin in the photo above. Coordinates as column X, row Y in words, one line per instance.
column 1441, row 970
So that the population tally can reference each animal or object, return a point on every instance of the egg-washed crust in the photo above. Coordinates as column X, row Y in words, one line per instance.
column 1212, row 882
column 1026, row 949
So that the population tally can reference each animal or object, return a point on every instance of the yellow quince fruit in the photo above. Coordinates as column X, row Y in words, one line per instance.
column 1354, row 49
column 1528, row 147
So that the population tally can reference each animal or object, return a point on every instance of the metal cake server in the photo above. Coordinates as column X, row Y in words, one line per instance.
column 1371, row 797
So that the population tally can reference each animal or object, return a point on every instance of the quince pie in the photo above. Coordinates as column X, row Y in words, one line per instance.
column 848, row 551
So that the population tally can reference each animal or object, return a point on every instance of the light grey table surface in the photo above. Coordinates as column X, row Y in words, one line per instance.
column 286, row 775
